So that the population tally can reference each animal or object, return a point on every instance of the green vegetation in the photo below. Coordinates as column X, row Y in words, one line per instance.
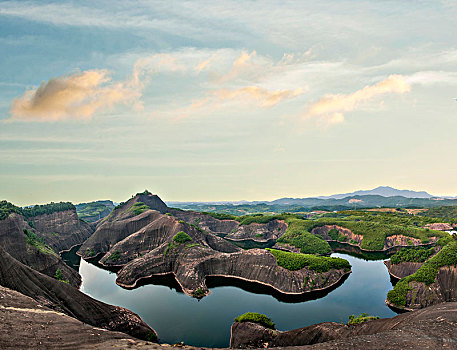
column 170, row 247
column 298, row 236
column 221, row 216
column 199, row 293
column 152, row 337
column 419, row 254
column 115, row 256
column 256, row 218
column 47, row 209
column 296, row 261
column 256, row 318
column 181, row 237
column 94, row 211
column 6, row 208
column 361, row 318
column 59, row 276
column 139, row 207
column 427, row 273
column 449, row 213
column 89, row 252
column 144, row 193
column 38, row 242
column 259, row 235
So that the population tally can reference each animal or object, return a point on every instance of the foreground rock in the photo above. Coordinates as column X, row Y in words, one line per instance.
column 64, row 298
column 26, row 324
column 431, row 328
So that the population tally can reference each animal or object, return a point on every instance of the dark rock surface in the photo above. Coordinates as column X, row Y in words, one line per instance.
column 192, row 265
column 13, row 240
column 26, row 324
column 62, row 297
column 402, row 269
column 62, row 230
column 434, row 327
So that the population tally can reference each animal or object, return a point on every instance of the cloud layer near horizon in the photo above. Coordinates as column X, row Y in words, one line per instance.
column 75, row 96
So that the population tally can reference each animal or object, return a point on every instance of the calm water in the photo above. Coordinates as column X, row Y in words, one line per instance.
column 177, row 317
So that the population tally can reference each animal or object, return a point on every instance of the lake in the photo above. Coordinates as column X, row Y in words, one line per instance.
column 177, row 317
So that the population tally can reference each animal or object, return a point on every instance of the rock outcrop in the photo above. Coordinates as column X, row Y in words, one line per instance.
column 26, row 324
column 142, row 244
column 14, row 240
column 64, row 298
column 402, row 269
column 62, row 229
column 231, row 229
column 192, row 265
column 431, row 328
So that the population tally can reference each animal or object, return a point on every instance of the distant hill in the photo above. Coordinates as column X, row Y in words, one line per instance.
column 385, row 191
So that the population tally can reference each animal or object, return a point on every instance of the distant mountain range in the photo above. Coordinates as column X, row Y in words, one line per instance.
column 384, row 191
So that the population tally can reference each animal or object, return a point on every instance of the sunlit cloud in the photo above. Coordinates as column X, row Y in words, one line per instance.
column 331, row 108
column 76, row 96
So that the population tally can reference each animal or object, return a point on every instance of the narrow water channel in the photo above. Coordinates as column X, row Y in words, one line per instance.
column 177, row 317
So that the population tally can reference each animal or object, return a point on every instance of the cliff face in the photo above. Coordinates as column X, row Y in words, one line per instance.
column 402, row 269
column 432, row 328
column 64, row 298
column 62, row 230
column 444, row 289
column 191, row 266
column 14, row 241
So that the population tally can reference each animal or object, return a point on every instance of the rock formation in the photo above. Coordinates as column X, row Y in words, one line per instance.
column 431, row 328
column 142, row 242
column 64, row 298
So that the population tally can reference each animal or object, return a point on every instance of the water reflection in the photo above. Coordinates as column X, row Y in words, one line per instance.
column 178, row 317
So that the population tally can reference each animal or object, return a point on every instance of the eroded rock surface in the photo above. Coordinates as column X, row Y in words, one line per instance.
column 14, row 241
column 431, row 328
column 402, row 269
column 64, row 298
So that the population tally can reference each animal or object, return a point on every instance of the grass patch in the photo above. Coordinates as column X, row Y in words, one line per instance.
column 181, row 237
column 296, row 261
column 138, row 208
column 39, row 243
column 361, row 318
column 199, row 293
column 256, row 318
column 427, row 273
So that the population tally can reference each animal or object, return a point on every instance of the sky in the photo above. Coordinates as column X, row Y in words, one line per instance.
column 225, row 100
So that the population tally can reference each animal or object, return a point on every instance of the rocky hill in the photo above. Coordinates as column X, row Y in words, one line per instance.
column 24, row 239
column 144, row 237
column 62, row 297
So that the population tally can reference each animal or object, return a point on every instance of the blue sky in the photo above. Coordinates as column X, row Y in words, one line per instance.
column 225, row 100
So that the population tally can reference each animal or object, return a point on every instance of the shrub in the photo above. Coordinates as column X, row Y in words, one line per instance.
column 6, row 208
column 59, row 276
column 182, row 237
column 152, row 337
column 256, row 318
column 199, row 293
column 38, row 242
column 296, row 261
column 259, row 235
column 419, row 254
column 115, row 256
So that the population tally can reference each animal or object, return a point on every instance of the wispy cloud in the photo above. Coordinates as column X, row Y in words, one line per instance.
column 330, row 109
column 76, row 96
